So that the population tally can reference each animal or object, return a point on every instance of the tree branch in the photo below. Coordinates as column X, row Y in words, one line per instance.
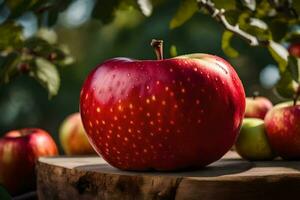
column 218, row 14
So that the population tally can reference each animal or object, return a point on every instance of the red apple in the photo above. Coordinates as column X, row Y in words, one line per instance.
column 294, row 49
column 183, row 112
column 19, row 151
column 283, row 129
column 257, row 107
column 73, row 137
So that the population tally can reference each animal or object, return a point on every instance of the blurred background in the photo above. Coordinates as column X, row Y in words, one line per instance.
column 23, row 103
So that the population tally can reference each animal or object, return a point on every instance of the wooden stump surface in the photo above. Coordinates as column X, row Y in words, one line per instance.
column 72, row 178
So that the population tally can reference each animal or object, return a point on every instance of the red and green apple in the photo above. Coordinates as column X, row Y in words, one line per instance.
column 73, row 136
column 19, row 151
column 165, row 114
column 257, row 107
column 252, row 142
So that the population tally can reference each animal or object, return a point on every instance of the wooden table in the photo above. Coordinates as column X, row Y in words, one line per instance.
column 71, row 178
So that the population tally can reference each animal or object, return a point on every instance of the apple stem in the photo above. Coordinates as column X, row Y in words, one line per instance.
column 158, row 48
column 255, row 94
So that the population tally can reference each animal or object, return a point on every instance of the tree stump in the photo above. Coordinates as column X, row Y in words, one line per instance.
column 71, row 178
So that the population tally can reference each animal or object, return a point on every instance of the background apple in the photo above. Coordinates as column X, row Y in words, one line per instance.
column 283, row 129
column 162, row 114
column 73, row 137
column 257, row 107
column 294, row 49
column 252, row 143
column 19, row 151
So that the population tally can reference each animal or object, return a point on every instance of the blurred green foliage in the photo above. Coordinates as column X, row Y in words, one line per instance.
column 4, row 194
column 125, row 28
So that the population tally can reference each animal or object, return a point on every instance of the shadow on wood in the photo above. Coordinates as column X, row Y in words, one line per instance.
column 217, row 169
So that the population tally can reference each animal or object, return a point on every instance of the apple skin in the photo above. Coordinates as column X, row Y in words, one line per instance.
column 19, row 151
column 252, row 143
column 73, row 136
column 294, row 49
column 178, row 113
column 282, row 126
column 257, row 107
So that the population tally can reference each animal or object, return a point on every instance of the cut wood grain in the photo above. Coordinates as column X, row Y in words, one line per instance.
column 72, row 178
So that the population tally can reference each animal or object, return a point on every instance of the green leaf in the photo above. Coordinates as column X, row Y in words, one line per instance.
column 232, row 16
column 278, row 29
column 48, row 11
column 254, row 26
column 173, row 51
column 52, row 7
column 146, row 7
column 52, row 18
column 258, row 23
column 263, row 9
column 47, row 75
column 294, row 68
column 286, row 86
column 185, row 11
column 296, row 6
column 227, row 5
column 11, row 35
column 226, row 40
column 48, row 35
column 293, row 37
column 288, row 68
column 279, row 53
column 257, row 28
column 250, row 4
column 44, row 45
column 4, row 194
column 66, row 58
column 9, row 67
column 59, row 5
column 17, row 8
column 105, row 10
